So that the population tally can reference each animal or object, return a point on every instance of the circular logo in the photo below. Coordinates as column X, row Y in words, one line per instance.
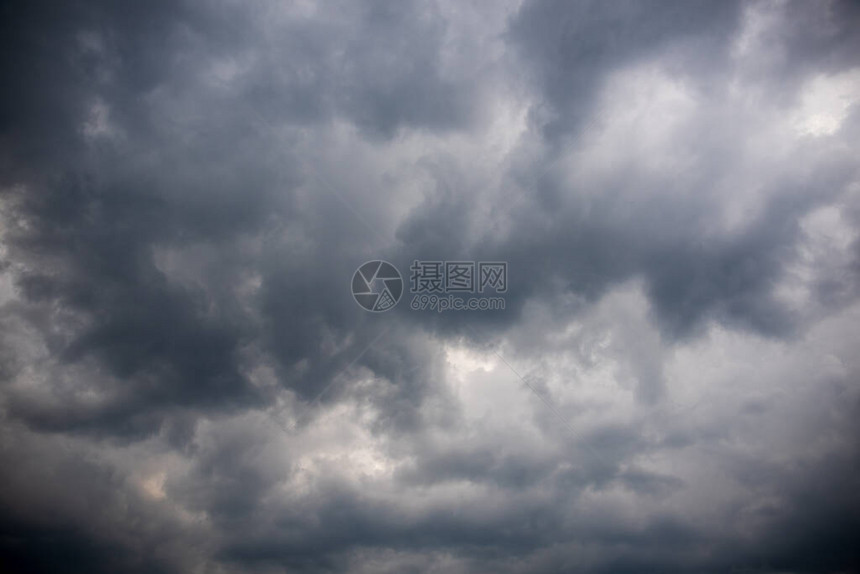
column 377, row 286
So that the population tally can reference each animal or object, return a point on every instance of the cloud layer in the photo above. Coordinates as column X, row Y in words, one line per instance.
column 186, row 384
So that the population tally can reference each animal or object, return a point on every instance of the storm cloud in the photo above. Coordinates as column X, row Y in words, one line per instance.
column 187, row 385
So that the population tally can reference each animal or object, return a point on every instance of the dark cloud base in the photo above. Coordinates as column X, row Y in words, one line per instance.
column 187, row 386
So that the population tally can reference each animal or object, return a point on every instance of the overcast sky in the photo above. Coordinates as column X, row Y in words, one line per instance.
column 188, row 386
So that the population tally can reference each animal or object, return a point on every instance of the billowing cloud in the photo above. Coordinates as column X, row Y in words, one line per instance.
column 186, row 190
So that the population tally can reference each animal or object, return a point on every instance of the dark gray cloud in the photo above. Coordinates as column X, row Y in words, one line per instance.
column 571, row 48
column 186, row 190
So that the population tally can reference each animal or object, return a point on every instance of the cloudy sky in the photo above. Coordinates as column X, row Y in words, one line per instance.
column 188, row 386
